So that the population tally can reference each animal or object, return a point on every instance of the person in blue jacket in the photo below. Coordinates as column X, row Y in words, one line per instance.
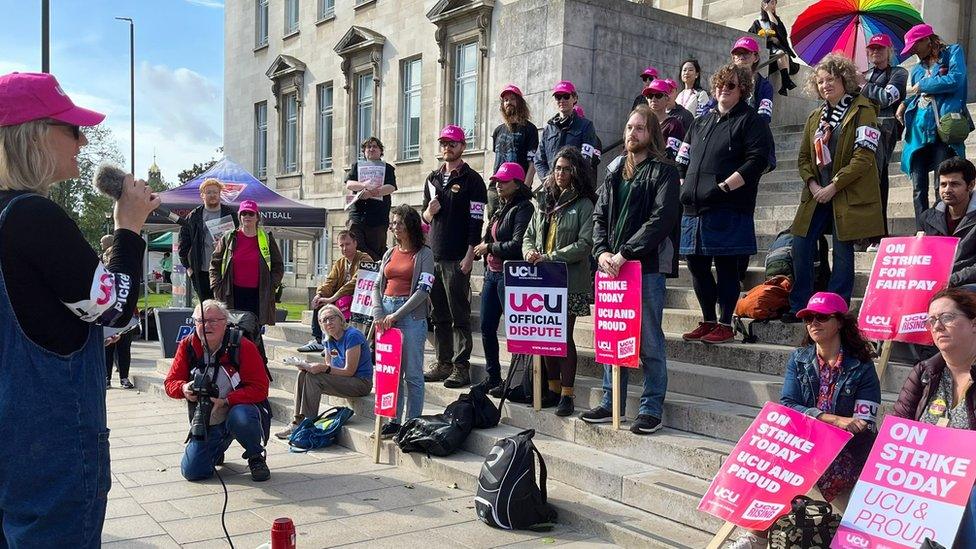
column 936, row 85
column 564, row 129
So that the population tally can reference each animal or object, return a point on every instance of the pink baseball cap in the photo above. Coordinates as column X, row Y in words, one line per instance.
column 671, row 84
column 509, row 171
column 746, row 43
column 452, row 133
column 511, row 88
column 656, row 86
column 578, row 109
column 915, row 34
column 27, row 96
column 564, row 86
column 650, row 71
column 824, row 303
column 248, row 206
column 880, row 40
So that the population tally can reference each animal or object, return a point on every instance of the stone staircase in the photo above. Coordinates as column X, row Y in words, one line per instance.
column 636, row 491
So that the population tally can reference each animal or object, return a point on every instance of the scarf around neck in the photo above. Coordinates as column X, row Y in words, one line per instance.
column 830, row 118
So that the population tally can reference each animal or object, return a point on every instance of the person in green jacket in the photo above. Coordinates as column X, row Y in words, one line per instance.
column 562, row 230
column 166, row 265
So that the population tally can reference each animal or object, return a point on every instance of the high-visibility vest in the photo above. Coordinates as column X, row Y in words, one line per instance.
column 262, row 246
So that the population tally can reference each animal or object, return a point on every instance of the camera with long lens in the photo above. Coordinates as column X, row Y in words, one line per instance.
column 203, row 388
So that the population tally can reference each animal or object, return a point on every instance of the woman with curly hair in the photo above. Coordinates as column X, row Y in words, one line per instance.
column 841, row 194
column 830, row 374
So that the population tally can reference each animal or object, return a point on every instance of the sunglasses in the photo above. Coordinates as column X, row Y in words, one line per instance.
column 449, row 144
column 248, row 213
column 75, row 130
column 656, row 96
column 561, row 96
column 817, row 318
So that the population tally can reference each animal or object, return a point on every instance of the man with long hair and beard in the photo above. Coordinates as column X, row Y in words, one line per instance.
column 636, row 217
column 515, row 140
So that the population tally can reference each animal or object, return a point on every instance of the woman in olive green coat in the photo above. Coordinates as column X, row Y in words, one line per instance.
column 841, row 194
column 562, row 230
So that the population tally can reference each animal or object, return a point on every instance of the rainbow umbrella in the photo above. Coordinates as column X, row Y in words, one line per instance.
column 847, row 25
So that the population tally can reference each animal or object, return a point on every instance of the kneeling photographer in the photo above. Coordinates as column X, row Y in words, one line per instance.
column 222, row 376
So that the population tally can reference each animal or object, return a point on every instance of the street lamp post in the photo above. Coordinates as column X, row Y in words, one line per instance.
column 46, row 36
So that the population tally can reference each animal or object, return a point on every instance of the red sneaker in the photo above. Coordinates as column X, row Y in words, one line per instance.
column 721, row 334
column 703, row 329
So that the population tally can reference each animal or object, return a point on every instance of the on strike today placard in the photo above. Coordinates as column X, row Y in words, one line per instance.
column 780, row 456
column 907, row 272
column 915, row 485
column 617, row 326
column 389, row 348
column 536, row 305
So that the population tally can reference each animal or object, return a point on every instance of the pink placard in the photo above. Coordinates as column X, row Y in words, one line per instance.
column 386, row 371
column 780, row 456
column 907, row 272
column 617, row 326
column 915, row 484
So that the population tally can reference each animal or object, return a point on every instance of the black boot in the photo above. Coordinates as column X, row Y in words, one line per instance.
column 786, row 83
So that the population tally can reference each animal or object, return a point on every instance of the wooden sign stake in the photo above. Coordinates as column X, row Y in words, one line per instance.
column 537, row 382
column 376, row 439
column 615, row 401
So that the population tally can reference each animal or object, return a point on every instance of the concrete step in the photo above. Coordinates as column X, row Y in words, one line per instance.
column 901, row 194
column 787, row 212
column 618, row 485
column 790, row 175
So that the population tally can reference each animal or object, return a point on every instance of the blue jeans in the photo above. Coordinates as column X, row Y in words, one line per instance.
column 804, row 248
column 925, row 161
column 492, row 309
column 966, row 535
column 412, row 362
column 243, row 424
column 652, row 354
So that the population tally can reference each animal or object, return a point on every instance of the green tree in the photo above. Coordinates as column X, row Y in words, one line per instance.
column 78, row 197
column 197, row 169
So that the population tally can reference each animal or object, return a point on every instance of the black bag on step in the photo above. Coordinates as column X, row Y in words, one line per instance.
column 508, row 496
column 809, row 525
column 440, row 434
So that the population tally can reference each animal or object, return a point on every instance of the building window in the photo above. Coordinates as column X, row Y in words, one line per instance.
column 466, row 89
column 289, row 133
column 261, row 139
column 261, row 23
column 291, row 16
column 364, row 108
column 410, row 139
column 326, row 8
column 324, row 127
column 287, row 255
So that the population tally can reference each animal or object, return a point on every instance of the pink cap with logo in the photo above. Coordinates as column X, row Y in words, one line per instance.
column 248, row 206
column 511, row 88
column 650, row 71
column 509, row 171
column 578, row 109
column 564, row 86
column 656, row 86
column 671, row 84
column 824, row 303
column 914, row 34
column 880, row 40
column 452, row 133
column 27, row 96
column 746, row 43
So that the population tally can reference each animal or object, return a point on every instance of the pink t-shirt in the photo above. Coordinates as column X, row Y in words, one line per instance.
column 494, row 262
column 246, row 261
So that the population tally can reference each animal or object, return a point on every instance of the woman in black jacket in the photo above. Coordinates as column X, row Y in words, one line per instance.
column 721, row 160
column 772, row 28
column 502, row 242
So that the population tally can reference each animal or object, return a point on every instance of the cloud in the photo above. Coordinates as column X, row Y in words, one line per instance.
column 186, row 104
column 7, row 67
column 207, row 3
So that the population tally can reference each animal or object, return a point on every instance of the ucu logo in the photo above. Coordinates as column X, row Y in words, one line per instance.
column 877, row 320
column 726, row 494
column 523, row 271
column 857, row 540
column 535, row 303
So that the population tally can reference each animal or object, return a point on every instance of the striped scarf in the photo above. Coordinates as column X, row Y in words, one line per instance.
column 830, row 118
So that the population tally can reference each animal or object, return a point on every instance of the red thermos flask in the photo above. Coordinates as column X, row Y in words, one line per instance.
column 283, row 534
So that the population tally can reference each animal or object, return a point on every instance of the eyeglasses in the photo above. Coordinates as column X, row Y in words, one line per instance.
column 331, row 318
column 817, row 318
column 209, row 321
column 647, row 78
column 728, row 86
column 563, row 169
column 248, row 213
column 450, row 144
column 561, row 96
column 75, row 130
column 656, row 96
column 946, row 319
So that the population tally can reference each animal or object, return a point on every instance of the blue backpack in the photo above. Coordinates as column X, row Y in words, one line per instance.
column 321, row 431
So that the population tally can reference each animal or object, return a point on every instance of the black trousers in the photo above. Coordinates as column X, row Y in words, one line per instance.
column 722, row 289
column 370, row 239
column 122, row 348
column 450, row 299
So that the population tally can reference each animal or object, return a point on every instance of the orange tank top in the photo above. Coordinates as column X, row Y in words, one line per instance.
column 399, row 273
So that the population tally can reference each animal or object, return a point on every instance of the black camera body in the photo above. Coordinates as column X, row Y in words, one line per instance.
column 203, row 388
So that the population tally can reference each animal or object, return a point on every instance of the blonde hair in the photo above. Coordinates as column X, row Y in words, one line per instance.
column 25, row 163
column 326, row 310
column 839, row 66
column 655, row 145
column 210, row 182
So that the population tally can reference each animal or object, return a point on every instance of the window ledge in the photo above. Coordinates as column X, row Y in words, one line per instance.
column 263, row 179
column 290, row 35
column 289, row 175
column 363, row 3
column 474, row 152
column 404, row 161
column 323, row 171
column 260, row 47
column 326, row 19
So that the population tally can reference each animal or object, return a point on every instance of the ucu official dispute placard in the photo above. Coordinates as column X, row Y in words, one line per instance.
column 907, row 272
column 780, row 456
column 617, row 326
column 536, row 303
column 915, row 485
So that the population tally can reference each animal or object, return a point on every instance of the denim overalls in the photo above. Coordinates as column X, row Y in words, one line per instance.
column 54, row 473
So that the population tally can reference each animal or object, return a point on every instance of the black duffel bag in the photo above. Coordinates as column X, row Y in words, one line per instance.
column 440, row 434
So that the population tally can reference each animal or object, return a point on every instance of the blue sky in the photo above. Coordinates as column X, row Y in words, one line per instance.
column 179, row 69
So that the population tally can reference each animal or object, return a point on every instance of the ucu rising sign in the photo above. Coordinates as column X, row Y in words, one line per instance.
column 535, row 302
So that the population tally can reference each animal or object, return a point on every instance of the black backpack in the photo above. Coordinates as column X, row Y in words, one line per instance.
column 810, row 524
column 440, row 434
column 508, row 496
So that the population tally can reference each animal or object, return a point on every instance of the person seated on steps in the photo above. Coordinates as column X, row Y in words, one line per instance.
column 346, row 372
column 826, row 378
column 240, row 411
column 955, row 216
